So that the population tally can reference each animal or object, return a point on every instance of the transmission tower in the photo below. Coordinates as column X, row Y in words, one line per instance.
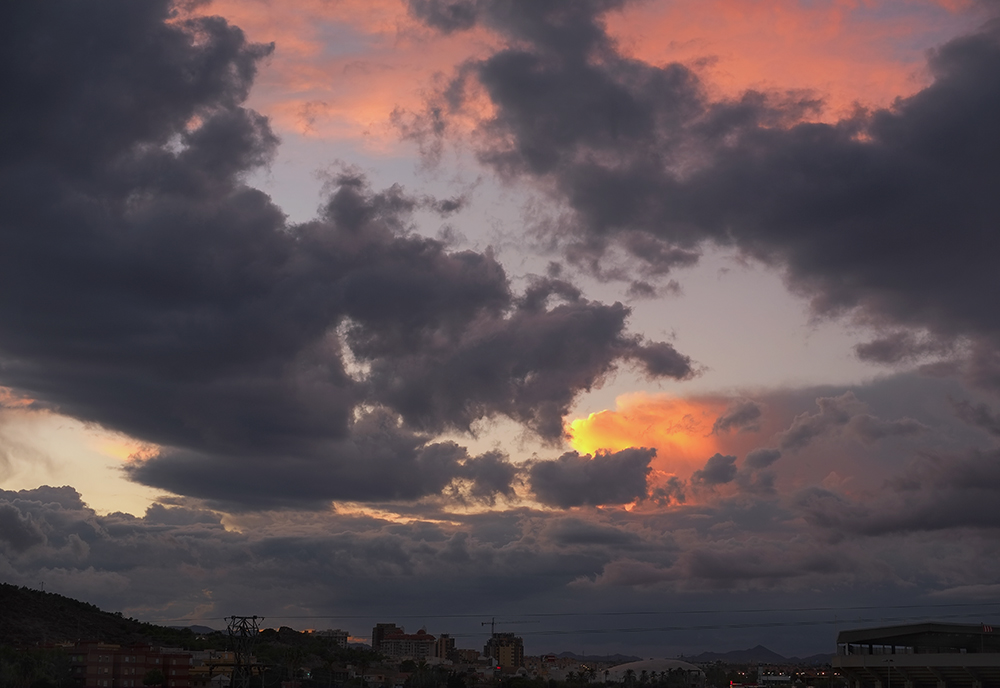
column 243, row 632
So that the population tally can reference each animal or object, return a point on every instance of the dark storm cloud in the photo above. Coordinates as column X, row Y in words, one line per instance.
column 379, row 460
column 889, row 215
column 491, row 474
column 604, row 478
column 741, row 415
column 718, row 470
column 18, row 530
column 151, row 291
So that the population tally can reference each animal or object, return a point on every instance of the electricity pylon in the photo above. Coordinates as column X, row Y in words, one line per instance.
column 243, row 632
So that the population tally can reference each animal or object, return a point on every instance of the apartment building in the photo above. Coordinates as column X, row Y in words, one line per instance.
column 104, row 665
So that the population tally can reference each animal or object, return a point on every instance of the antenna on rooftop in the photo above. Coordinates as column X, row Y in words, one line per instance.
column 493, row 626
column 243, row 632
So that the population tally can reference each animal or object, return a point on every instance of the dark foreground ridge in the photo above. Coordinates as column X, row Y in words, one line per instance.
column 33, row 617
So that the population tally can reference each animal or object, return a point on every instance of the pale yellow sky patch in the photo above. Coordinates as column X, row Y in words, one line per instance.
column 44, row 448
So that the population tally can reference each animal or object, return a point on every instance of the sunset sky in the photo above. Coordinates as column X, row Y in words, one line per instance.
column 650, row 326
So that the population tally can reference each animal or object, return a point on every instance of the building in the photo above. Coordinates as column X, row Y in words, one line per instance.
column 417, row 646
column 466, row 656
column 926, row 655
column 507, row 650
column 336, row 635
column 103, row 665
column 381, row 631
column 445, row 647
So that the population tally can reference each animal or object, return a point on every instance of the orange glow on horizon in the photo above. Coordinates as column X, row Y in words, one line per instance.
column 679, row 429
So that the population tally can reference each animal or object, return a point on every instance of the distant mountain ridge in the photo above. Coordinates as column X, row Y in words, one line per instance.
column 200, row 630
column 757, row 655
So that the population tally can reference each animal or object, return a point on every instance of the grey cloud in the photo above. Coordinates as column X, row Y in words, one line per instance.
column 180, row 516
column 18, row 530
column 718, row 470
column 845, row 412
column 833, row 412
column 660, row 257
column 725, row 568
column 898, row 347
column 753, row 477
column 65, row 497
column 446, row 15
column 888, row 214
column 868, row 428
column 448, row 206
column 573, row 531
column 762, row 457
column 672, row 491
column 492, row 474
column 641, row 290
column 753, row 566
column 529, row 366
column 153, row 292
column 605, row 478
column 757, row 482
column 440, row 562
column 934, row 493
column 379, row 460
column 661, row 359
column 741, row 415
column 977, row 415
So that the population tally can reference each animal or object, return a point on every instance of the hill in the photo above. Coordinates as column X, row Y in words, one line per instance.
column 757, row 655
column 32, row 617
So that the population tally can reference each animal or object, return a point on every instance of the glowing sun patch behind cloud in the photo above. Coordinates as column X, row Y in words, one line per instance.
column 679, row 429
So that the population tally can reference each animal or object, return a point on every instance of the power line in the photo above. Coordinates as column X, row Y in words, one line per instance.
column 772, row 610
column 709, row 627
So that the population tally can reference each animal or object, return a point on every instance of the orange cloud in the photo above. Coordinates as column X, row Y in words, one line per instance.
column 340, row 69
column 10, row 399
column 679, row 430
column 847, row 51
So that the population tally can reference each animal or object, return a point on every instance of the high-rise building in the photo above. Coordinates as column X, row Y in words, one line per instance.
column 380, row 632
column 507, row 650
column 444, row 647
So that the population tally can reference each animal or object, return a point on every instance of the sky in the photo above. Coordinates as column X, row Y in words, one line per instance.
column 642, row 326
